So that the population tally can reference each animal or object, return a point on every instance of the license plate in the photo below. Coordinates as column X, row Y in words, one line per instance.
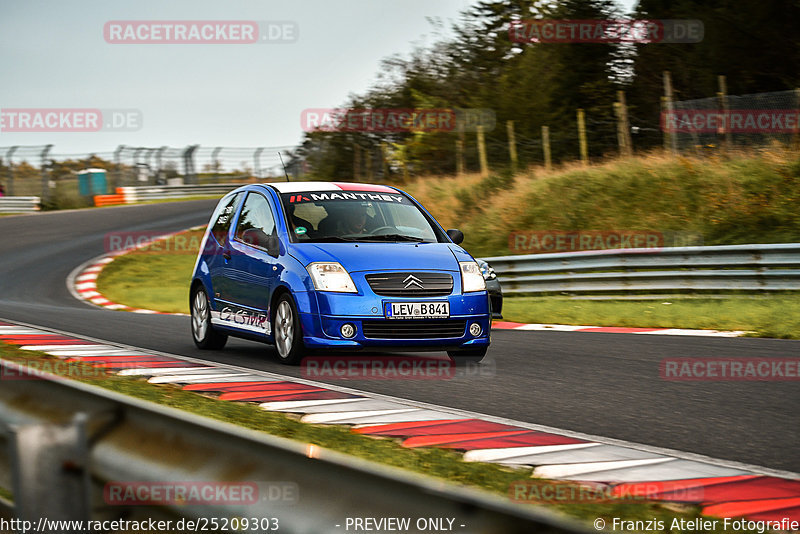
column 416, row 310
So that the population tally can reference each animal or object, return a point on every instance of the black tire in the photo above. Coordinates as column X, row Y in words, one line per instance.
column 287, row 331
column 467, row 356
column 204, row 334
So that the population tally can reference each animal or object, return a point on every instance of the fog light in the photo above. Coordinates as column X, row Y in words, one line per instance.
column 475, row 329
column 349, row 330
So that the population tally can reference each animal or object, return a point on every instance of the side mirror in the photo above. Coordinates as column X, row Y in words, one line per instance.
column 456, row 236
column 273, row 246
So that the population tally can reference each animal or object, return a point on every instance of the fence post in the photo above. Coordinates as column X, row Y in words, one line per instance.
column 722, row 97
column 796, row 135
column 460, row 153
column 45, row 175
column 147, row 158
column 257, row 162
column 160, row 173
column 137, row 165
column 356, row 162
column 482, row 152
column 669, row 137
column 188, row 164
column 623, row 130
column 548, row 162
column 512, row 145
column 215, row 162
column 584, row 147
column 10, row 182
column 118, row 167
column 385, row 160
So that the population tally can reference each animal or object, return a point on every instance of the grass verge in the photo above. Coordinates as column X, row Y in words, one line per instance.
column 443, row 464
column 743, row 197
column 774, row 316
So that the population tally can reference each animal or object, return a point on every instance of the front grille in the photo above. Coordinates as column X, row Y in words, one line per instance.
column 411, row 329
column 408, row 284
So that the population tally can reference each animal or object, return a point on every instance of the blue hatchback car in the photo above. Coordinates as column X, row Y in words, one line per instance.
column 336, row 266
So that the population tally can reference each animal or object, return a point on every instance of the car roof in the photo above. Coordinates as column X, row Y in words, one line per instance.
column 301, row 187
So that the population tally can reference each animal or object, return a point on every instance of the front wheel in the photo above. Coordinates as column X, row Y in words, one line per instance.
column 288, row 334
column 203, row 333
column 467, row 356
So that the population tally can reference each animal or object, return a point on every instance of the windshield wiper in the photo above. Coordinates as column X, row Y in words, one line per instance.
column 392, row 237
column 332, row 239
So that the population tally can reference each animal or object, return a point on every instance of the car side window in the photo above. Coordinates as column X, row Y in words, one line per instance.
column 256, row 223
column 221, row 221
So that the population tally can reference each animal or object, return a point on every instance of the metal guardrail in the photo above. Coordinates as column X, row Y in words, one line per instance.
column 760, row 267
column 19, row 204
column 161, row 192
column 63, row 441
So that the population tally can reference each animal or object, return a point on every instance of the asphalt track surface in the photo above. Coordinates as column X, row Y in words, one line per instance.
column 602, row 384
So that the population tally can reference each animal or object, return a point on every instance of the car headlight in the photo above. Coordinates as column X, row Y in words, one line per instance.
column 331, row 276
column 471, row 277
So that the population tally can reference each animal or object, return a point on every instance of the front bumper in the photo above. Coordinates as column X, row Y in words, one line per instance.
column 328, row 312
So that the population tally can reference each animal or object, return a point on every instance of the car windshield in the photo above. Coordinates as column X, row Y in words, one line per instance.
column 358, row 216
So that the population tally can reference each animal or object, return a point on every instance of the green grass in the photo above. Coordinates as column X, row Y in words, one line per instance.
column 154, row 278
column 446, row 465
column 747, row 197
column 775, row 316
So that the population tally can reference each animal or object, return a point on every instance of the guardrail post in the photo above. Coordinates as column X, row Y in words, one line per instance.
column 50, row 471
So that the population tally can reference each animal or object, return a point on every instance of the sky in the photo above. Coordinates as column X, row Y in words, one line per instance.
column 54, row 55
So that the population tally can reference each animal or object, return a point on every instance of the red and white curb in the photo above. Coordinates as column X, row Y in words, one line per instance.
column 507, row 325
column 721, row 488
column 82, row 281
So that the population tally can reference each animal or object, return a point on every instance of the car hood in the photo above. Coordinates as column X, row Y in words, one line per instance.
column 356, row 257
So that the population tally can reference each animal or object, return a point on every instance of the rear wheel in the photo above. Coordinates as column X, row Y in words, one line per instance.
column 467, row 356
column 288, row 334
column 203, row 332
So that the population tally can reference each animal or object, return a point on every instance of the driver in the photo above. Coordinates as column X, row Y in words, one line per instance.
column 354, row 220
